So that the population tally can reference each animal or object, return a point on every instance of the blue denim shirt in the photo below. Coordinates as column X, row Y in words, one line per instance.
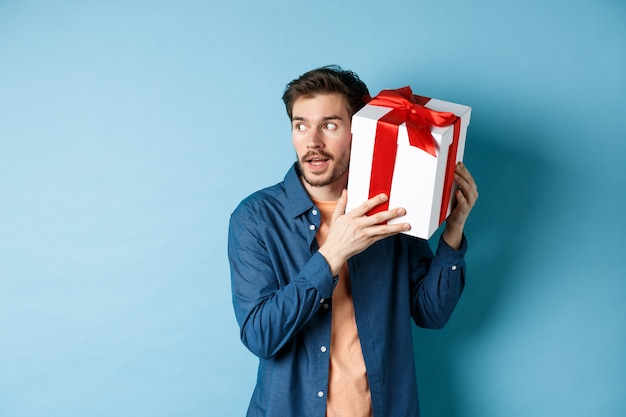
column 282, row 294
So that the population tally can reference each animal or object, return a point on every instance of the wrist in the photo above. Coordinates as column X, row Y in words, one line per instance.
column 453, row 236
column 334, row 262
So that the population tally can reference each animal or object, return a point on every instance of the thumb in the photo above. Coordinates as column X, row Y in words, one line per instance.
column 340, row 209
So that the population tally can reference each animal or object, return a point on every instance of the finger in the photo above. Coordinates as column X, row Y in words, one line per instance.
column 463, row 187
column 462, row 171
column 384, row 216
column 466, row 183
column 370, row 204
column 461, row 168
column 342, row 202
column 461, row 199
column 466, row 200
column 385, row 230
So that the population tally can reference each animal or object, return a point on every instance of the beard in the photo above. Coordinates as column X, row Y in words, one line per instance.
column 332, row 173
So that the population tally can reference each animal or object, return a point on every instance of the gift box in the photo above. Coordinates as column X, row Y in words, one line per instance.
column 407, row 146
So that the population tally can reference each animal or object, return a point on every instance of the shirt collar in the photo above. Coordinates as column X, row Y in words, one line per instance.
column 298, row 198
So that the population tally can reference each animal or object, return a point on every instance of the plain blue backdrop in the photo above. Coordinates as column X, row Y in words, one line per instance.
column 129, row 131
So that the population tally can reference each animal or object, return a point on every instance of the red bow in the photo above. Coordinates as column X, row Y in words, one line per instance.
column 419, row 119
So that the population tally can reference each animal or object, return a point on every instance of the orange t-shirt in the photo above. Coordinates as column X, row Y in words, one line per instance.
column 348, row 389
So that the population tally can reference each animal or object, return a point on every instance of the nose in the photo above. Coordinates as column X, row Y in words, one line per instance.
column 315, row 139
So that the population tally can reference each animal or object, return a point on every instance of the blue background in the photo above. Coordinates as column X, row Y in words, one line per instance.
column 130, row 130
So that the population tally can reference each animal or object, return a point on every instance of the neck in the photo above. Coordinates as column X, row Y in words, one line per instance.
column 330, row 192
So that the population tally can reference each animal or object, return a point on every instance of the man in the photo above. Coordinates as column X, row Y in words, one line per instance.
column 323, row 297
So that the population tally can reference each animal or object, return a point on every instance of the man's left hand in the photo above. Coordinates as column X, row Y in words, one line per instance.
column 466, row 196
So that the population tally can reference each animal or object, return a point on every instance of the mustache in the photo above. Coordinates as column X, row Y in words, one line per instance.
column 312, row 154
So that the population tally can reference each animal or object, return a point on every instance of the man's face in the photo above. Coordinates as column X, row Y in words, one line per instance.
column 320, row 131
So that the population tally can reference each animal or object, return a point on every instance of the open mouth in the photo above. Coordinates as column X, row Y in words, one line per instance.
column 317, row 161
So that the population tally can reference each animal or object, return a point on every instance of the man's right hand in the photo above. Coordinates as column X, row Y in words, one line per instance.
column 353, row 232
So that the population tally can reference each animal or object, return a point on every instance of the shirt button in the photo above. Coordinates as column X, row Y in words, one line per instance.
column 312, row 227
column 320, row 394
column 314, row 212
column 323, row 349
column 322, row 301
column 325, row 306
column 453, row 267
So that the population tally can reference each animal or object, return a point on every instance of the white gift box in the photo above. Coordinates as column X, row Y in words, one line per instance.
column 418, row 177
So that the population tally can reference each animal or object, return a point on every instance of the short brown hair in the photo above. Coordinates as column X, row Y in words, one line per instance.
column 327, row 80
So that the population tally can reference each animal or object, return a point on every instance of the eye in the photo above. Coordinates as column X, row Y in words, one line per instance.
column 330, row 126
column 300, row 127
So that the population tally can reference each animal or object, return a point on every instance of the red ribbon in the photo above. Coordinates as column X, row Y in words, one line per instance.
column 408, row 108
